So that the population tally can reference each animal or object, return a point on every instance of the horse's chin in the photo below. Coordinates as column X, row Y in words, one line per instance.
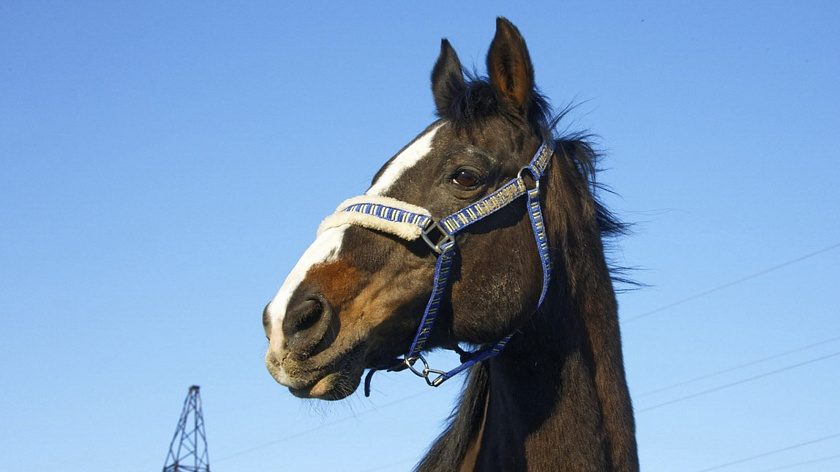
column 333, row 386
column 327, row 376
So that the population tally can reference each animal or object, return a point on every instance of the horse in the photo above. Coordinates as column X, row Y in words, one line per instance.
column 483, row 235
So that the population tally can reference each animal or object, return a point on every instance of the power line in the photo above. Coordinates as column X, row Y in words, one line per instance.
column 322, row 426
column 730, row 369
column 730, row 284
column 768, row 453
column 732, row 384
column 812, row 461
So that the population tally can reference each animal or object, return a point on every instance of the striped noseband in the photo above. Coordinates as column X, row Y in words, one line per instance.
column 411, row 222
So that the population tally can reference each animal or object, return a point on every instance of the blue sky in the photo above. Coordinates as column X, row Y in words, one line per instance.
column 164, row 164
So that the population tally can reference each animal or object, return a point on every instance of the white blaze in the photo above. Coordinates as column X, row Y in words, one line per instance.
column 324, row 249
column 404, row 161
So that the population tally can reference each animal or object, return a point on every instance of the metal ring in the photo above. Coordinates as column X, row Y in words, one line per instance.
column 409, row 362
column 533, row 176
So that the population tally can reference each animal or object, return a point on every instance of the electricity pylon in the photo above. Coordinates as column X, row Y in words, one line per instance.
column 188, row 449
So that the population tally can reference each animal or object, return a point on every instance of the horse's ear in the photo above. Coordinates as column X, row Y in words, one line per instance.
column 509, row 66
column 447, row 78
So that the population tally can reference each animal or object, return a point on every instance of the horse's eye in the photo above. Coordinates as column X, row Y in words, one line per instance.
column 465, row 178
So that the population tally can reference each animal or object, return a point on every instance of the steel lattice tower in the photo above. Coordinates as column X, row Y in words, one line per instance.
column 188, row 449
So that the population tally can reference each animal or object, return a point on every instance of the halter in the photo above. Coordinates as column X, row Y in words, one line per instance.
column 411, row 222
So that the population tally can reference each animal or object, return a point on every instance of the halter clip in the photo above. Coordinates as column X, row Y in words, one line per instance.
column 426, row 372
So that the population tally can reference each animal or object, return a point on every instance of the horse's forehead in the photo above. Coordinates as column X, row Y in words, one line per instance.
column 406, row 159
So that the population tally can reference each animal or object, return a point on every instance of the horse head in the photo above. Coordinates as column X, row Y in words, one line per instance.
column 356, row 297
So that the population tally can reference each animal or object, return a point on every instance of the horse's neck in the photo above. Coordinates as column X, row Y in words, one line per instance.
column 557, row 397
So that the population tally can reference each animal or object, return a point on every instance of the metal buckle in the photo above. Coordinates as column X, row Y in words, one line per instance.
column 442, row 239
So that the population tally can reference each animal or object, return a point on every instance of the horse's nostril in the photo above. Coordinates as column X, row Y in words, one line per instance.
column 306, row 322
column 309, row 312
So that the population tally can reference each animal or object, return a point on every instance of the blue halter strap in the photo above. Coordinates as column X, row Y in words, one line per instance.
column 440, row 236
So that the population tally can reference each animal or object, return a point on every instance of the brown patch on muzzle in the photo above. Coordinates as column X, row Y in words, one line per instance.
column 338, row 281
